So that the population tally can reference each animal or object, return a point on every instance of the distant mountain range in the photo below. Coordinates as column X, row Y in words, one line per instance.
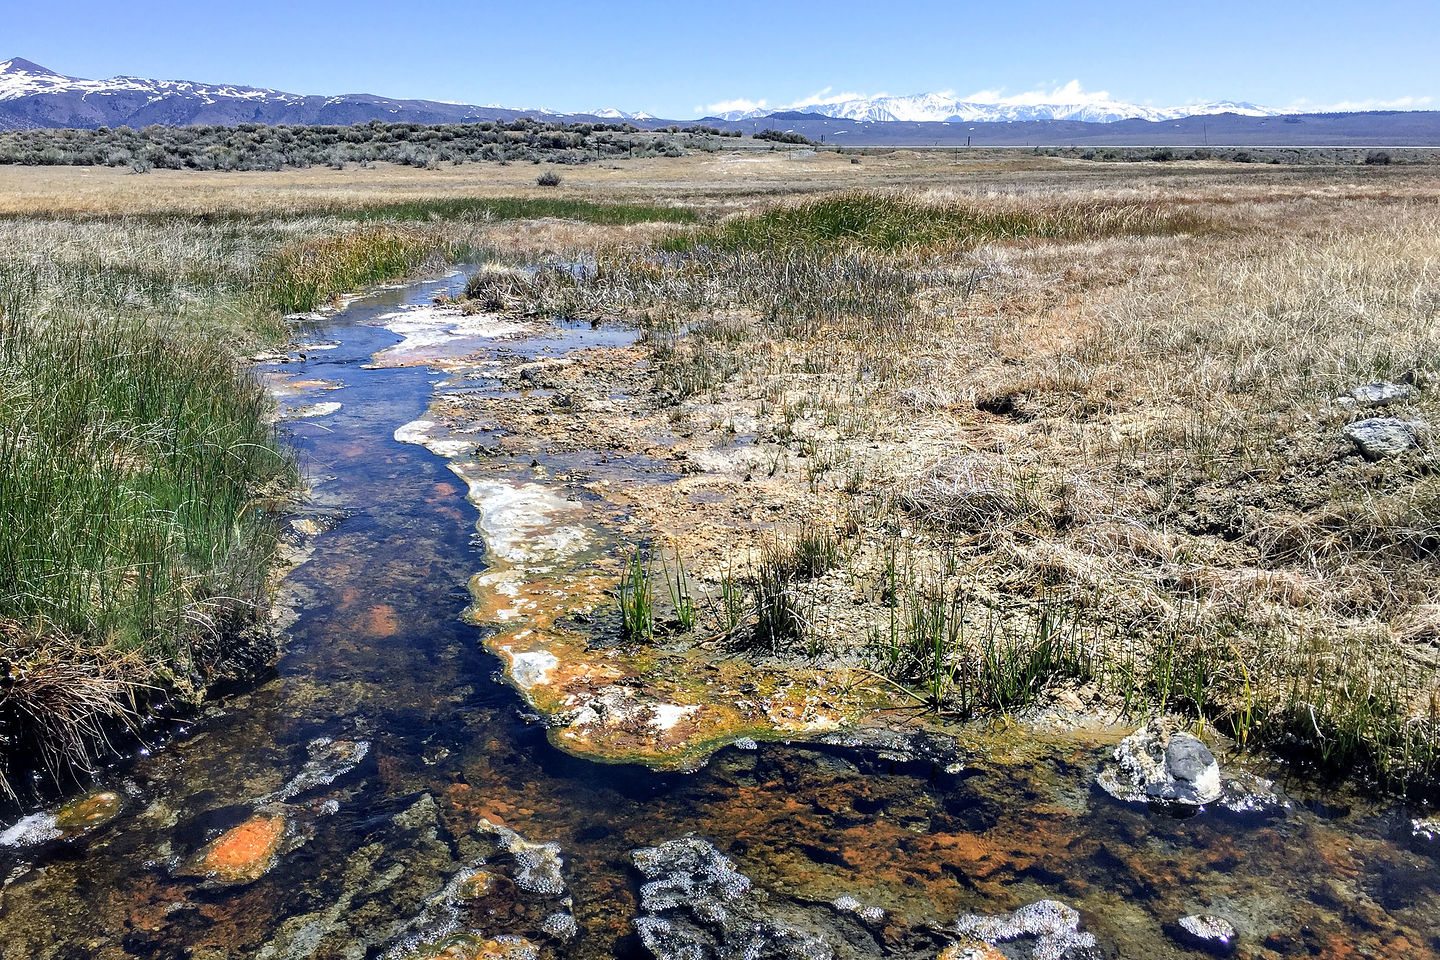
column 33, row 97
column 1063, row 104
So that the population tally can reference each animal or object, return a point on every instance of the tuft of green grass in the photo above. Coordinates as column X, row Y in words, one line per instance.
column 891, row 223
column 517, row 208
column 682, row 599
column 307, row 273
column 636, row 598
column 131, row 459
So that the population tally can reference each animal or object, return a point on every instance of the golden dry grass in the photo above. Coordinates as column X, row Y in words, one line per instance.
column 1136, row 427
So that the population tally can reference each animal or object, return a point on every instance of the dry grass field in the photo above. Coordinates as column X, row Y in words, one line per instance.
column 1039, row 429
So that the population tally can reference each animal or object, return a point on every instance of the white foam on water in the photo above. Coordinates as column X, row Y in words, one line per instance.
column 425, row 327
column 30, row 830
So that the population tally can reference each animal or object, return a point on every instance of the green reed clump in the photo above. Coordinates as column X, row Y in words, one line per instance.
column 522, row 208
column 974, row 662
column 891, row 223
column 682, row 597
column 131, row 456
column 307, row 273
column 636, row 598
column 782, row 617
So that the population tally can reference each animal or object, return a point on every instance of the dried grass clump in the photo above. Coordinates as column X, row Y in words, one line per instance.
column 62, row 699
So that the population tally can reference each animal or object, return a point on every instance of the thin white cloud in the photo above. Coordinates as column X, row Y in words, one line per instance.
column 739, row 103
column 1355, row 106
column 1069, row 93
column 823, row 98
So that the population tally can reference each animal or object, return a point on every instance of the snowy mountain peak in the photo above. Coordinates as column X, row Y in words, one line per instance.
column 1065, row 103
column 17, row 66
column 612, row 113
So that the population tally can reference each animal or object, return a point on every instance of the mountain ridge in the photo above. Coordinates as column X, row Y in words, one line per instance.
column 943, row 108
column 35, row 97
column 104, row 101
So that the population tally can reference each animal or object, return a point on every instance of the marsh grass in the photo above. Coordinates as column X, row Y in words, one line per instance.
column 891, row 223
column 516, row 208
column 635, row 597
column 131, row 459
column 1119, row 411
column 307, row 273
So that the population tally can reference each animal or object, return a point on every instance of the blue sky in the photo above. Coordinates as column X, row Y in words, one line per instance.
column 671, row 58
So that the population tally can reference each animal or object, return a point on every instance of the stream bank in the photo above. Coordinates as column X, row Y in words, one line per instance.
column 388, row 793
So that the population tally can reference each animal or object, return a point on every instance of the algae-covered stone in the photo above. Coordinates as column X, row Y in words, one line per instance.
column 537, row 867
column 971, row 950
column 88, row 813
column 329, row 760
column 241, row 854
column 476, row 885
column 466, row 946
column 694, row 903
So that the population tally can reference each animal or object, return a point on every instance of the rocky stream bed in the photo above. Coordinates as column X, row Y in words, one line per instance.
column 449, row 761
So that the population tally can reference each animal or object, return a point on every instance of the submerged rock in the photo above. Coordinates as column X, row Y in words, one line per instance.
column 561, row 925
column 694, row 904
column 466, row 946
column 241, row 854
column 1245, row 793
column 1382, row 437
column 70, row 821
column 901, row 745
column 848, row 904
column 329, row 760
column 1153, row 765
column 973, row 950
column 1206, row 932
column 79, row 817
column 1044, row 930
column 1379, row 394
column 537, row 867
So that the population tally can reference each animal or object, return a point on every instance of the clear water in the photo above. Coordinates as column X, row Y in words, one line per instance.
column 380, row 655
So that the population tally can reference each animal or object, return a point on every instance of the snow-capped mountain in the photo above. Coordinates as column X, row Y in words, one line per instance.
column 611, row 113
column 21, row 78
column 34, row 96
column 946, row 108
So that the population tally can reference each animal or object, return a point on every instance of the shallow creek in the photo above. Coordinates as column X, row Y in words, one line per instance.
column 390, row 791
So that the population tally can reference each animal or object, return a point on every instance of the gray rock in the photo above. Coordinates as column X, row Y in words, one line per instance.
column 1379, row 394
column 695, row 905
column 1154, row 765
column 1044, row 930
column 329, row 760
column 901, row 745
column 1206, row 932
column 535, row 867
column 1382, row 437
column 1427, row 828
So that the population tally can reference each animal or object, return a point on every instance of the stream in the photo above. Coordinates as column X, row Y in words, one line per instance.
column 385, row 793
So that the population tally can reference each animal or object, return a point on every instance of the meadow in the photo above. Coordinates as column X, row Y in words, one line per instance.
column 142, row 478
column 1046, row 430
